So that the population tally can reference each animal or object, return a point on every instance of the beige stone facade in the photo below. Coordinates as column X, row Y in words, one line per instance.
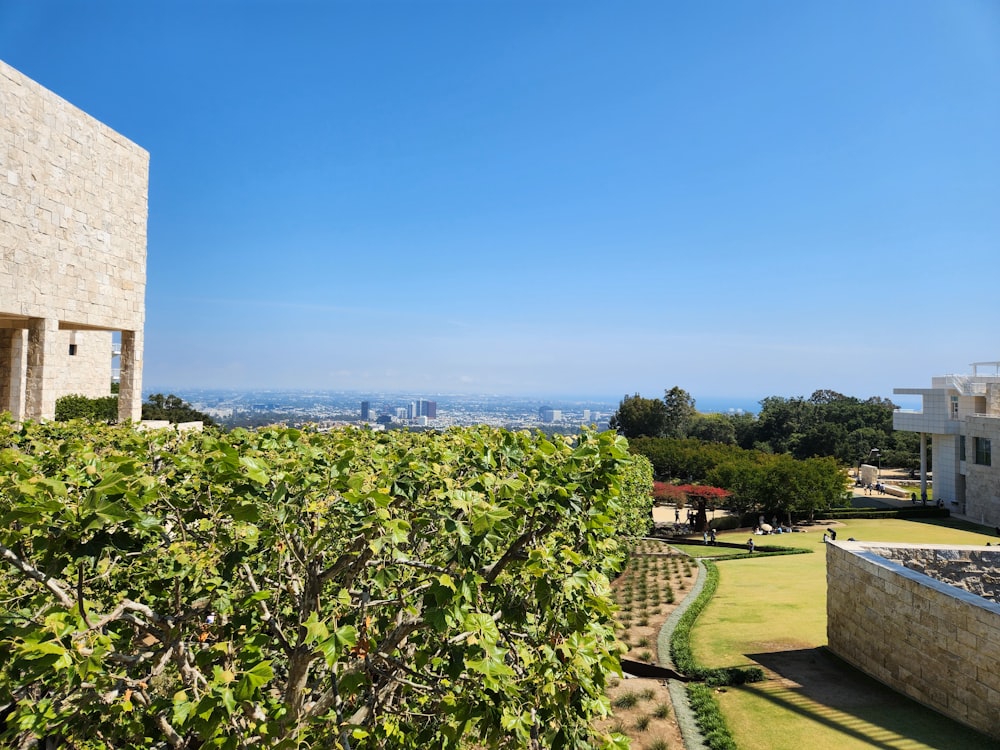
column 908, row 617
column 73, row 208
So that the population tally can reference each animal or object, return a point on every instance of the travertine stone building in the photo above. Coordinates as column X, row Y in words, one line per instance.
column 923, row 620
column 962, row 414
column 73, row 207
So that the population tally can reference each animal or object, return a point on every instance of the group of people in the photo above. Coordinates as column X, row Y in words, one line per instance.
column 878, row 487
column 708, row 536
column 772, row 528
column 692, row 516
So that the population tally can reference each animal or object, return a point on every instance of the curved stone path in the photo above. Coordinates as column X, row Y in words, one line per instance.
column 678, row 694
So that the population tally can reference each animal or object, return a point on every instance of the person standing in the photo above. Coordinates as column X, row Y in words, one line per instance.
column 711, row 536
column 750, row 545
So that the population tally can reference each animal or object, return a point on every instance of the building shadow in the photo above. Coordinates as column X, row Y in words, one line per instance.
column 817, row 685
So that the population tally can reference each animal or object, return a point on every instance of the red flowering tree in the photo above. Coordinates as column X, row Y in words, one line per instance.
column 668, row 494
column 702, row 496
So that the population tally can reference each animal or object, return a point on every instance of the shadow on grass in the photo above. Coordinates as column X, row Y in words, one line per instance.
column 815, row 684
column 960, row 524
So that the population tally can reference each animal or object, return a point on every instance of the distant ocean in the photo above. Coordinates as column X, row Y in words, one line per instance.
column 725, row 405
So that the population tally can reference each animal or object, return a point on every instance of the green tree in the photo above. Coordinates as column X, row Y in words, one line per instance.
column 743, row 476
column 826, row 424
column 75, row 406
column 680, row 412
column 712, row 428
column 744, row 428
column 639, row 417
column 780, row 423
column 172, row 409
column 293, row 589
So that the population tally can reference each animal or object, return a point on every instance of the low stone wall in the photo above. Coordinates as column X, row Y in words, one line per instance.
column 923, row 637
column 891, row 489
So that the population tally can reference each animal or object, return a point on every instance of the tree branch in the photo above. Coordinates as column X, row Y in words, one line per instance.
column 273, row 624
column 55, row 586
column 169, row 732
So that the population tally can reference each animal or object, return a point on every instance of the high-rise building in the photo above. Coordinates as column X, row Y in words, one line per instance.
column 548, row 415
column 426, row 408
column 366, row 412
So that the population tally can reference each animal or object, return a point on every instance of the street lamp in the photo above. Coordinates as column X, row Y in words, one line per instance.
column 878, row 459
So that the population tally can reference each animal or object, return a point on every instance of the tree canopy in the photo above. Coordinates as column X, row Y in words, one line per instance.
column 830, row 424
column 827, row 423
column 173, row 409
column 639, row 417
column 680, row 412
column 293, row 589
column 75, row 406
column 754, row 480
column 670, row 416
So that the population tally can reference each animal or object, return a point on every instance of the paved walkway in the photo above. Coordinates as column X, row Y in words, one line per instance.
column 690, row 733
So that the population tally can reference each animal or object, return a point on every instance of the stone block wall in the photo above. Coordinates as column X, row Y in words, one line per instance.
column 929, row 640
column 982, row 483
column 73, row 209
column 74, row 199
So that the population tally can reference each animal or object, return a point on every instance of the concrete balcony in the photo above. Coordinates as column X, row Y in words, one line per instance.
column 918, row 421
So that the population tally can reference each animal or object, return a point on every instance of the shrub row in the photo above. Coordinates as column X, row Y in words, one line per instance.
column 917, row 511
column 680, row 642
column 707, row 714
column 709, row 718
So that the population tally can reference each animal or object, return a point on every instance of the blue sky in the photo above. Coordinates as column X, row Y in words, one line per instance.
column 488, row 196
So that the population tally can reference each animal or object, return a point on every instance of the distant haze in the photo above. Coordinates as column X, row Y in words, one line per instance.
column 527, row 197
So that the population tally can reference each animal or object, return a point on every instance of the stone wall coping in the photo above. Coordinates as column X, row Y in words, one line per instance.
column 868, row 552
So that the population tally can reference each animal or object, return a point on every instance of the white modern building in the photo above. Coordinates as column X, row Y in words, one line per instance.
column 961, row 413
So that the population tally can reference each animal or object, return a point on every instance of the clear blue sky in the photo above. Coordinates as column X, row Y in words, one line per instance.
column 739, row 198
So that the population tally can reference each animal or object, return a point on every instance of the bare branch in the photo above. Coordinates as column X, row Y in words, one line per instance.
column 127, row 605
column 513, row 552
column 79, row 596
column 55, row 586
column 357, row 554
column 272, row 623
column 169, row 732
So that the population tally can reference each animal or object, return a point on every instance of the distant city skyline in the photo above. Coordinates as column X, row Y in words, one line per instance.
column 529, row 403
column 742, row 199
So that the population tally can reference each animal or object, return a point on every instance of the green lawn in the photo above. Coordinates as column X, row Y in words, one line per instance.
column 771, row 611
column 701, row 550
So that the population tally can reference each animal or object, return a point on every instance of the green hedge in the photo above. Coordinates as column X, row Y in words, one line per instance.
column 917, row 511
column 709, row 718
column 680, row 642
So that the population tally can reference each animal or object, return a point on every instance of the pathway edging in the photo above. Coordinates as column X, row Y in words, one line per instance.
column 678, row 691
